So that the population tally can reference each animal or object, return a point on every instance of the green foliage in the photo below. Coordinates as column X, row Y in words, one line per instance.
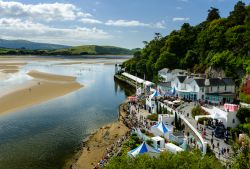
column 149, row 142
column 190, row 160
column 245, row 98
column 243, row 114
column 213, row 13
column 198, row 111
column 201, row 120
column 79, row 50
column 217, row 42
column 242, row 158
column 153, row 117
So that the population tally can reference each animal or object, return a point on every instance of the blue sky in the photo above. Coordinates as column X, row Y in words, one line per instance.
column 124, row 23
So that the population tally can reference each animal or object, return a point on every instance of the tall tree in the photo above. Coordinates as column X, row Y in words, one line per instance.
column 213, row 13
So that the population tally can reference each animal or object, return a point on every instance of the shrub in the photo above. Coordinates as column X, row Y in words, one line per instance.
column 149, row 142
column 198, row 111
column 245, row 98
column 153, row 117
column 201, row 120
column 243, row 114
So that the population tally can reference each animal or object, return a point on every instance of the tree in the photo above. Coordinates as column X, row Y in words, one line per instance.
column 176, row 121
column 238, row 15
column 213, row 13
column 243, row 114
column 183, row 159
column 166, row 59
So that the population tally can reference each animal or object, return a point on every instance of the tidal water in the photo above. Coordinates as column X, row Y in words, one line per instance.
column 44, row 136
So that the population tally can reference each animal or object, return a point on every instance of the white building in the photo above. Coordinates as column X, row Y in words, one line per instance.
column 228, row 118
column 211, row 90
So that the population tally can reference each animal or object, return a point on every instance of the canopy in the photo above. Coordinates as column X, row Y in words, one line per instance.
column 137, row 79
column 143, row 148
column 161, row 127
column 155, row 94
column 132, row 98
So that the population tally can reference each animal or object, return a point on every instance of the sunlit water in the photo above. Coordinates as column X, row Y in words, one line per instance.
column 45, row 135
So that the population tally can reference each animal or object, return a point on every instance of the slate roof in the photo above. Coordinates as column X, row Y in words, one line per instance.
column 221, row 81
column 216, row 82
column 181, row 78
column 200, row 82
column 165, row 84
column 228, row 81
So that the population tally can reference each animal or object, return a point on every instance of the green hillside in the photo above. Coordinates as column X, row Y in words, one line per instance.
column 78, row 50
column 24, row 44
column 93, row 50
column 217, row 42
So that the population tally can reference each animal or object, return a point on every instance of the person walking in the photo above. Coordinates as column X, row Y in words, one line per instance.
column 213, row 146
column 218, row 145
column 212, row 141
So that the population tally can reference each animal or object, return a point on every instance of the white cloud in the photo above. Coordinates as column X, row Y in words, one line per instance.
column 159, row 25
column 45, row 11
column 134, row 23
column 179, row 8
column 24, row 29
column 180, row 19
column 184, row 0
column 90, row 21
column 124, row 23
column 81, row 14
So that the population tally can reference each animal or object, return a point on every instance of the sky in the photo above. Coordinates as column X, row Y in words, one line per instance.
column 123, row 23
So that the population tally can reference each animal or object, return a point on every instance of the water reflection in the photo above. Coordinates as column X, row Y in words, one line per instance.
column 44, row 136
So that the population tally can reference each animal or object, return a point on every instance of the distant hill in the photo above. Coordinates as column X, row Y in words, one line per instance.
column 78, row 50
column 23, row 44
column 92, row 50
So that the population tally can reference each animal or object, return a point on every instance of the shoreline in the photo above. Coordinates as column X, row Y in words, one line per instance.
column 42, row 88
column 94, row 147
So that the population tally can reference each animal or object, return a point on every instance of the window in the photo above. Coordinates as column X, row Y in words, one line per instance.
column 225, row 88
column 233, row 121
column 218, row 88
column 194, row 88
column 202, row 89
column 202, row 97
column 211, row 88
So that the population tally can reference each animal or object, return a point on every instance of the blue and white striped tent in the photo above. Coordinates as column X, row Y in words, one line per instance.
column 161, row 127
column 143, row 148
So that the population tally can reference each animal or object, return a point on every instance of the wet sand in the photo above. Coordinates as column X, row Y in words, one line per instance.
column 95, row 148
column 10, row 67
column 44, row 87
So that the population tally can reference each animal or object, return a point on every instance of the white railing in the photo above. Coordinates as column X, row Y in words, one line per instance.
column 203, row 142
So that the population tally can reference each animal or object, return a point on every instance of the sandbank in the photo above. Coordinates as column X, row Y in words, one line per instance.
column 44, row 87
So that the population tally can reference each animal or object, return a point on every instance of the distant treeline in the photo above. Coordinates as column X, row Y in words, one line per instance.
column 79, row 50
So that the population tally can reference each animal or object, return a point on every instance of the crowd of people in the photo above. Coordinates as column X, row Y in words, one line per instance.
column 131, row 121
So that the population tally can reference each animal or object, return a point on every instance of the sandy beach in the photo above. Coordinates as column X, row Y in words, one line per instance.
column 96, row 146
column 42, row 88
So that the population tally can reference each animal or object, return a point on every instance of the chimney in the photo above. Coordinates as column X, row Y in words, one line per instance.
column 207, row 82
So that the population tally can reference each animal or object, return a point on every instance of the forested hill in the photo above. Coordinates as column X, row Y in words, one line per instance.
column 78, row 50
column 94, row 50
column 217, row 42
column 24, row 44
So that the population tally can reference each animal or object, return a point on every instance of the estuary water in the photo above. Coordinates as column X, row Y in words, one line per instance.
column 44, row 136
